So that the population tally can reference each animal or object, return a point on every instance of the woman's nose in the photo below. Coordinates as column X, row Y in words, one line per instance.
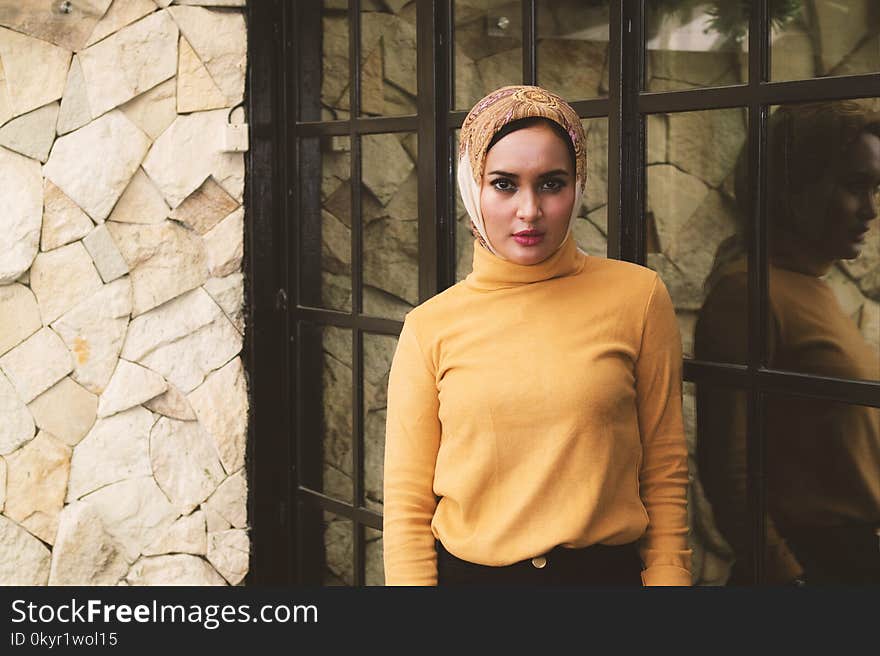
column 529, row 208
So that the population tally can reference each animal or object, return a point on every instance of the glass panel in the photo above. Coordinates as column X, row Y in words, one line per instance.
column 591, row 226
column 815, row 38
column 390, row 211
column 388, row 58
column 488, row 48
column 338, row 551
column 333, row 64
column 572, row 55
column 375, row 574
column 378, row 353
column 823, row 497
column 712, row 556
column 823, row 191
column 715, row 424
column 695, row 212
column 325, row 222
column 327, row 411
column 696, row 44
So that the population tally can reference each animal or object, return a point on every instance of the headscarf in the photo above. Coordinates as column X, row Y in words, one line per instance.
column 492, row 113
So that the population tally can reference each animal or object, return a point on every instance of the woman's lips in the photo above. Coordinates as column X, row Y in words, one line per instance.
column 528, row 238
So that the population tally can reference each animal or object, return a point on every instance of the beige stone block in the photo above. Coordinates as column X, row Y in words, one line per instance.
column 117, row 448
column 154, row 110
column 185, row 462
column 106, row 257
column 212, row 3
column 334, row 59
column 62, row 278
column 188, row 152
column 19, row 315
column 171, row 404
column 224, row 244
column 2, row 483
column 673, row 196
column 228, row 293
column 221, row 405
column 229, row 501
column 35, row 70
column 131, row 385
column 134, row 512
column 94, row 331
column 571, row 67
column 43, row 19
column 141, row 202
column 21, row 206
column 31, row 134
column 220, row 40
column 36, row 364
column 214, row 521
column 75, row 110
column 205, row 207
column 25, row 560
column 6, row 109
column 131, row 61
column 36, row 482
column 707, row 143
column 118, row 16
column 196, row 90
column 66, row 410
column 165, row 261
column 63, row 221
column 229, row 553
column 84, row 553
column 187, row 535
column 94, row 164
column 17, row 427
column 386, row 165
column 173, row 569
column 656, row 138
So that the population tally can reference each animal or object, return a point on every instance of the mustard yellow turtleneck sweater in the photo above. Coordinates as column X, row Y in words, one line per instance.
column 536, row 406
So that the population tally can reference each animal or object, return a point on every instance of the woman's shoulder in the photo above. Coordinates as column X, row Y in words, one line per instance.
column 438, row 305
column 620, row 275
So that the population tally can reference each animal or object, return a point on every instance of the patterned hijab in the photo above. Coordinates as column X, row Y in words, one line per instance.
column 487, row 117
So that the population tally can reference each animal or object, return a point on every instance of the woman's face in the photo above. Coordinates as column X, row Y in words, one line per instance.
column 527, row 193
column 852, row 198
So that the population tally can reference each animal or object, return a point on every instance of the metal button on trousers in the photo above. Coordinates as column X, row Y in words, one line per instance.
column 539, row 562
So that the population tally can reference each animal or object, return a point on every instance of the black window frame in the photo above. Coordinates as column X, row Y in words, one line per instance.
column 280, row 506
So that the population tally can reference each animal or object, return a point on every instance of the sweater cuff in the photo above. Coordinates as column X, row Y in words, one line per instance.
column 666, row 575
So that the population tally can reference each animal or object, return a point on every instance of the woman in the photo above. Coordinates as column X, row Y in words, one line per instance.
column 822, row 466
column 534, row 430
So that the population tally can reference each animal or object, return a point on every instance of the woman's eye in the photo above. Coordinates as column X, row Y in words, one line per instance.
column 553, row 185
column 503, row 185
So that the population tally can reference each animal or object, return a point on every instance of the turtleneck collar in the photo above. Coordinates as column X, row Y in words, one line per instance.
column 491, row 272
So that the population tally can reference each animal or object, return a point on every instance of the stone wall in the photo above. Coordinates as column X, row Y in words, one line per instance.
column 122, row 392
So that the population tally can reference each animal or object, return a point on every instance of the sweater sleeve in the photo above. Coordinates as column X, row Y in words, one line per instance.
column 412, row 438
column 663, row 478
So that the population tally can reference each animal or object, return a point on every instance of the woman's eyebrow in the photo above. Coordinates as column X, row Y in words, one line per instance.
column 548, row 174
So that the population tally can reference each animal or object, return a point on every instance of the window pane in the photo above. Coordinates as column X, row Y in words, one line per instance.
column 719, row 485
column 712, row 556
column 823, row 497
column 488, row 48
column 695, row 212
column 332, row 65
column 325, row 222
column 378, row 353
column 823, row 180
column 695, row 44
column 388, row 58
column 591, row 226
column 375, row 574
column 390, row 211
column 326, row 409
column 573, row 47
column 338, row 551
column 825, row 37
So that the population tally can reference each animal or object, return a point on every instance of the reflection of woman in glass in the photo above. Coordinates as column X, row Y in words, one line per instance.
column 822, row 467
column 534, row 429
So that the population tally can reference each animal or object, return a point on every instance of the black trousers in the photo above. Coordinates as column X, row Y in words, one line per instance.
column 598, row 564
